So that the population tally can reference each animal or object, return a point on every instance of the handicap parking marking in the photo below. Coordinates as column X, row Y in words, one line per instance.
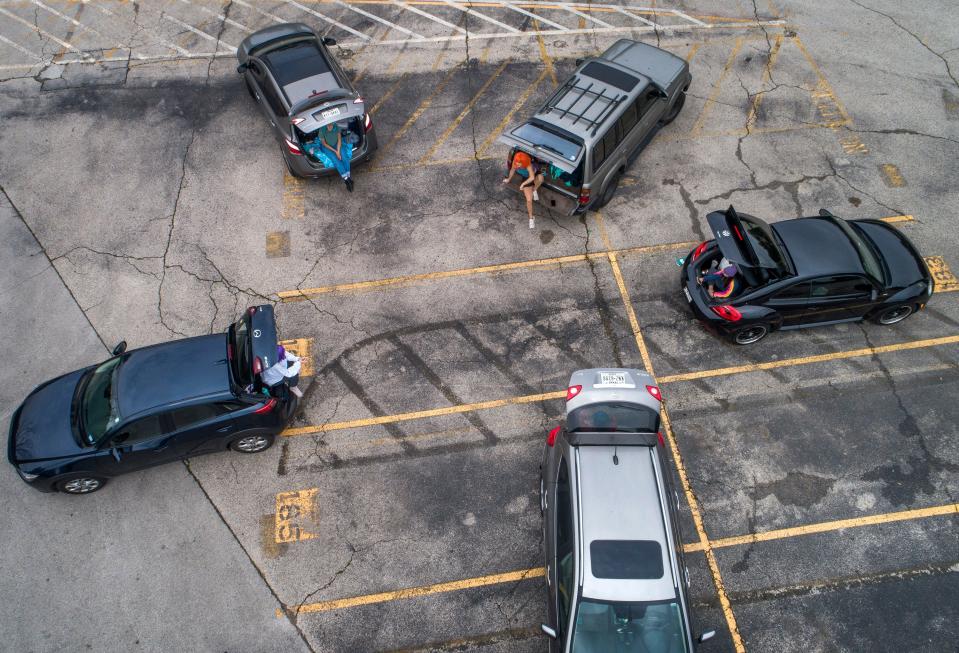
column 945, row 280
column 303, row 348
column 296, row 516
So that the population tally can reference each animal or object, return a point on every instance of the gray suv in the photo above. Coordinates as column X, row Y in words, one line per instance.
column 597, row 122
column 300, row 87
column 615, row 572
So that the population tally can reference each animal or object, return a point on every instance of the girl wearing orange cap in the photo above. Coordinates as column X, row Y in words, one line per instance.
column 525, row 166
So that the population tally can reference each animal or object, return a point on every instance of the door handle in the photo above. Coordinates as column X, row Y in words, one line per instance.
column 225, row 429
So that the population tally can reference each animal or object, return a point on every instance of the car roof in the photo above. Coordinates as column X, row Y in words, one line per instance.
column 301, row 70
column 621, row 501
column 660, row 66
column 172, row 372
column 595, row 391
column 817, row 247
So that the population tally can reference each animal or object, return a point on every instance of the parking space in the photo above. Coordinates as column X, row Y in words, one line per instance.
column 399, row 511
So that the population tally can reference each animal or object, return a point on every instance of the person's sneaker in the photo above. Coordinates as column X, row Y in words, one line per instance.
column 532, row 223
column 297, row 392
column 535, row 196
column 349, row 184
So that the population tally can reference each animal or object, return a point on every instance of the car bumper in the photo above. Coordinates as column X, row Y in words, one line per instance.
column 302, row 166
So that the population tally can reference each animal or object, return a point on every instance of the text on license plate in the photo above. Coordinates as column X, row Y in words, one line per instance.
column 329, row 113
column 612, row 378
column 689, row 297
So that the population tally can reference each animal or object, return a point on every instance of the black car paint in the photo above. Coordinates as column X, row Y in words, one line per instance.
column 44, row 439
column 907, row 283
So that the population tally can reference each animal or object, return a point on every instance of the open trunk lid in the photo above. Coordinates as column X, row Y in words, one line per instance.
column 750, row 244
column 545, row 145
column 323, row 112
column 252, row 344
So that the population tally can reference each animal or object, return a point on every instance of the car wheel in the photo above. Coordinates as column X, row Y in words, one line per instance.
column 609, row 191
column 81, row 485
column 252, row 443
column 677, row 107
column 750, row 334
column 894, row 314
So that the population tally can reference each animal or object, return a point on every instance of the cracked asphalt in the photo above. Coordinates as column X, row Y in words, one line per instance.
column 138, row 195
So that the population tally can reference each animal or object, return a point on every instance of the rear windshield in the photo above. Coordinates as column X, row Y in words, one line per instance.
column 767, row 251
column 242, row 365
column 555, row 143
column 626, row 559
column 613, row 417
column 296, row 62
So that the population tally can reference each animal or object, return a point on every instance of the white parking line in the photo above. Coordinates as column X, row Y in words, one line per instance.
column 22, row 49
column 377, row 19
column 199, row 32
column 327, row 19
column 426, row 14
column 571, row 10
column 677, row 12
column 163, row 41
column 532, row 15
column 223, row 17
column 637, row 17
column 41, row 32
column 481, row 16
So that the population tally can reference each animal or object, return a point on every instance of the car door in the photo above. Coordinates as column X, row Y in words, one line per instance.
column 201, row 428
column 839, row 297
column 141, row 443
column 268, row 97
column 791, row 303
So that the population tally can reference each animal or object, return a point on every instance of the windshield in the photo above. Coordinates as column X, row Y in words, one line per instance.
column 868, row 256
column 768, row 252
column 627, row 627
column 547, row 140
column 241, row 364
column 613, row 417
column 99, row 410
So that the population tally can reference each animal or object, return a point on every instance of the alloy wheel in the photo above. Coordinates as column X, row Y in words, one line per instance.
column 82, row 485
column 896, row 314
column 252, row 443
column 749, row 335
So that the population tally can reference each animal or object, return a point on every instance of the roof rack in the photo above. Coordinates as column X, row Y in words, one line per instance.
column 570, row 87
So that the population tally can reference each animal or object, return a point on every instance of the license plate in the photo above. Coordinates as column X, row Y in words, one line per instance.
column 612, row 378
column 689, row 297
column 329, row 113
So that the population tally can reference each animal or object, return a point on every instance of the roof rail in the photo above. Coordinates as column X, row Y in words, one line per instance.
column 570, row 87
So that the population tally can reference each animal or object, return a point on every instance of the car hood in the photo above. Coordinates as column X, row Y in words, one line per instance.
column 41, row 427
column 904, row 264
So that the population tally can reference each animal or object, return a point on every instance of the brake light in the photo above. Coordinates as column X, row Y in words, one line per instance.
column 358, row 100
column 573, row 391
column 699, row 250
column 728, row 313
column 266, row 408
column 551, row 438
column 297, row 121
column 367, row 122
column 738, row 235
column 584, row 197
column 229, row 351
column 662, row 442
column 292, row 147
column 654, row 391
column 257, row 365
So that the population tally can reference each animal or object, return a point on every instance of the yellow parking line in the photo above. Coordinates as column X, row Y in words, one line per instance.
column 806, row 360
column 825, row 527
column 481, row 150
column 547, row 60
column 767, row 75
column 701, row 120
column 422, row 414
column 465, row 112
column 893, row 219
column 823, row 83
column 425, row 590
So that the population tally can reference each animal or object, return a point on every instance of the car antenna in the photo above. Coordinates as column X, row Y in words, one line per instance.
column 615, row 457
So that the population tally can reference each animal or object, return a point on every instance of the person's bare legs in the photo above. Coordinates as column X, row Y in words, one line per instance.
column 528, row 192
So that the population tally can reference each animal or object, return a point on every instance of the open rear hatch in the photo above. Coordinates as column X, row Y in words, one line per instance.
column 564, row 164
column 750, row 244
column 252, row 342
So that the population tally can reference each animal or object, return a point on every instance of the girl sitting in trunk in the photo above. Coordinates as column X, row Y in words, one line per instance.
column 334, row 151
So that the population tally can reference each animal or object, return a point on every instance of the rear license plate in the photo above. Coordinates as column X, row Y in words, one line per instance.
column 329, row 113
column 689, row 297
column 612, row 378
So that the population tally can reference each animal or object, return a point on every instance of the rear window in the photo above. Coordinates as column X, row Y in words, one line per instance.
column 768, row 253
column 612, row 76
column 626, row 559
column 613, row 417
column 242, row 365
column 555, row 143
column 296, row 62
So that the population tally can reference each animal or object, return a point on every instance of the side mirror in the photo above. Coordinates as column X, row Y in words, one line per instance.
column 549, row 631
column 242, row 67
column 329, row 40
column 708, row 635
column 116, row 453
column 119, row 349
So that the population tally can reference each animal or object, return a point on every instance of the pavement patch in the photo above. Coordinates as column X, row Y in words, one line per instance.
column 891, row 175
column 278, row 244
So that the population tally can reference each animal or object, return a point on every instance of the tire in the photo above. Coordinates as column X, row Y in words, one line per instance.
column 894, row 314
column 254, row 443
column 750, row 334
column 609, row 191
column 81, row 485
column 677, row 107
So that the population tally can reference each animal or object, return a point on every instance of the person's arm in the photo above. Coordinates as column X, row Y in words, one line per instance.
column 326, row 145
column 339, row 143
column 532, row 176
column 509, row 177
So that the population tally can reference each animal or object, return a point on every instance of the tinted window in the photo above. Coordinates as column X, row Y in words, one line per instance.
column 841, row 286
column 191, row 415
column 792, row 293
column 140, row 430
column 273, row 99
column 548, row 140
column 620, row 627
column 628, row 120
column 603, row 149
column 613, row 416
column 767, row 251
column 242, row 365
column 612, row 76
column 626, row 559
column 645, row 101
column 100, row 411
column 296, row 62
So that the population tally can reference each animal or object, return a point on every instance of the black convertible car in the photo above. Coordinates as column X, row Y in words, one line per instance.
column 804, row 272
column 150, row 406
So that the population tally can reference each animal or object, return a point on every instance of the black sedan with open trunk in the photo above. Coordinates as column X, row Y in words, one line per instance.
column 754, row 277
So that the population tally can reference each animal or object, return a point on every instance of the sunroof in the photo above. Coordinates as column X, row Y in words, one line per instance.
column 611, row 76
column 626, row 559
column 296, row 62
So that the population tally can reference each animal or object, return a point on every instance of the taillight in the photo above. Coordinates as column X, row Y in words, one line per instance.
column 728, row 313
column 662, row 442
column 267, row 407
column 367, row 122
column 654, row 391
column 738, row 235
column 358, row 100
column 229, row 351
column 257, row 365
column 297, row 121
column 573, row 391
column 699, row 250
column 584, row 197
column 251, row 310
column 292, row 147
column 551, row 438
